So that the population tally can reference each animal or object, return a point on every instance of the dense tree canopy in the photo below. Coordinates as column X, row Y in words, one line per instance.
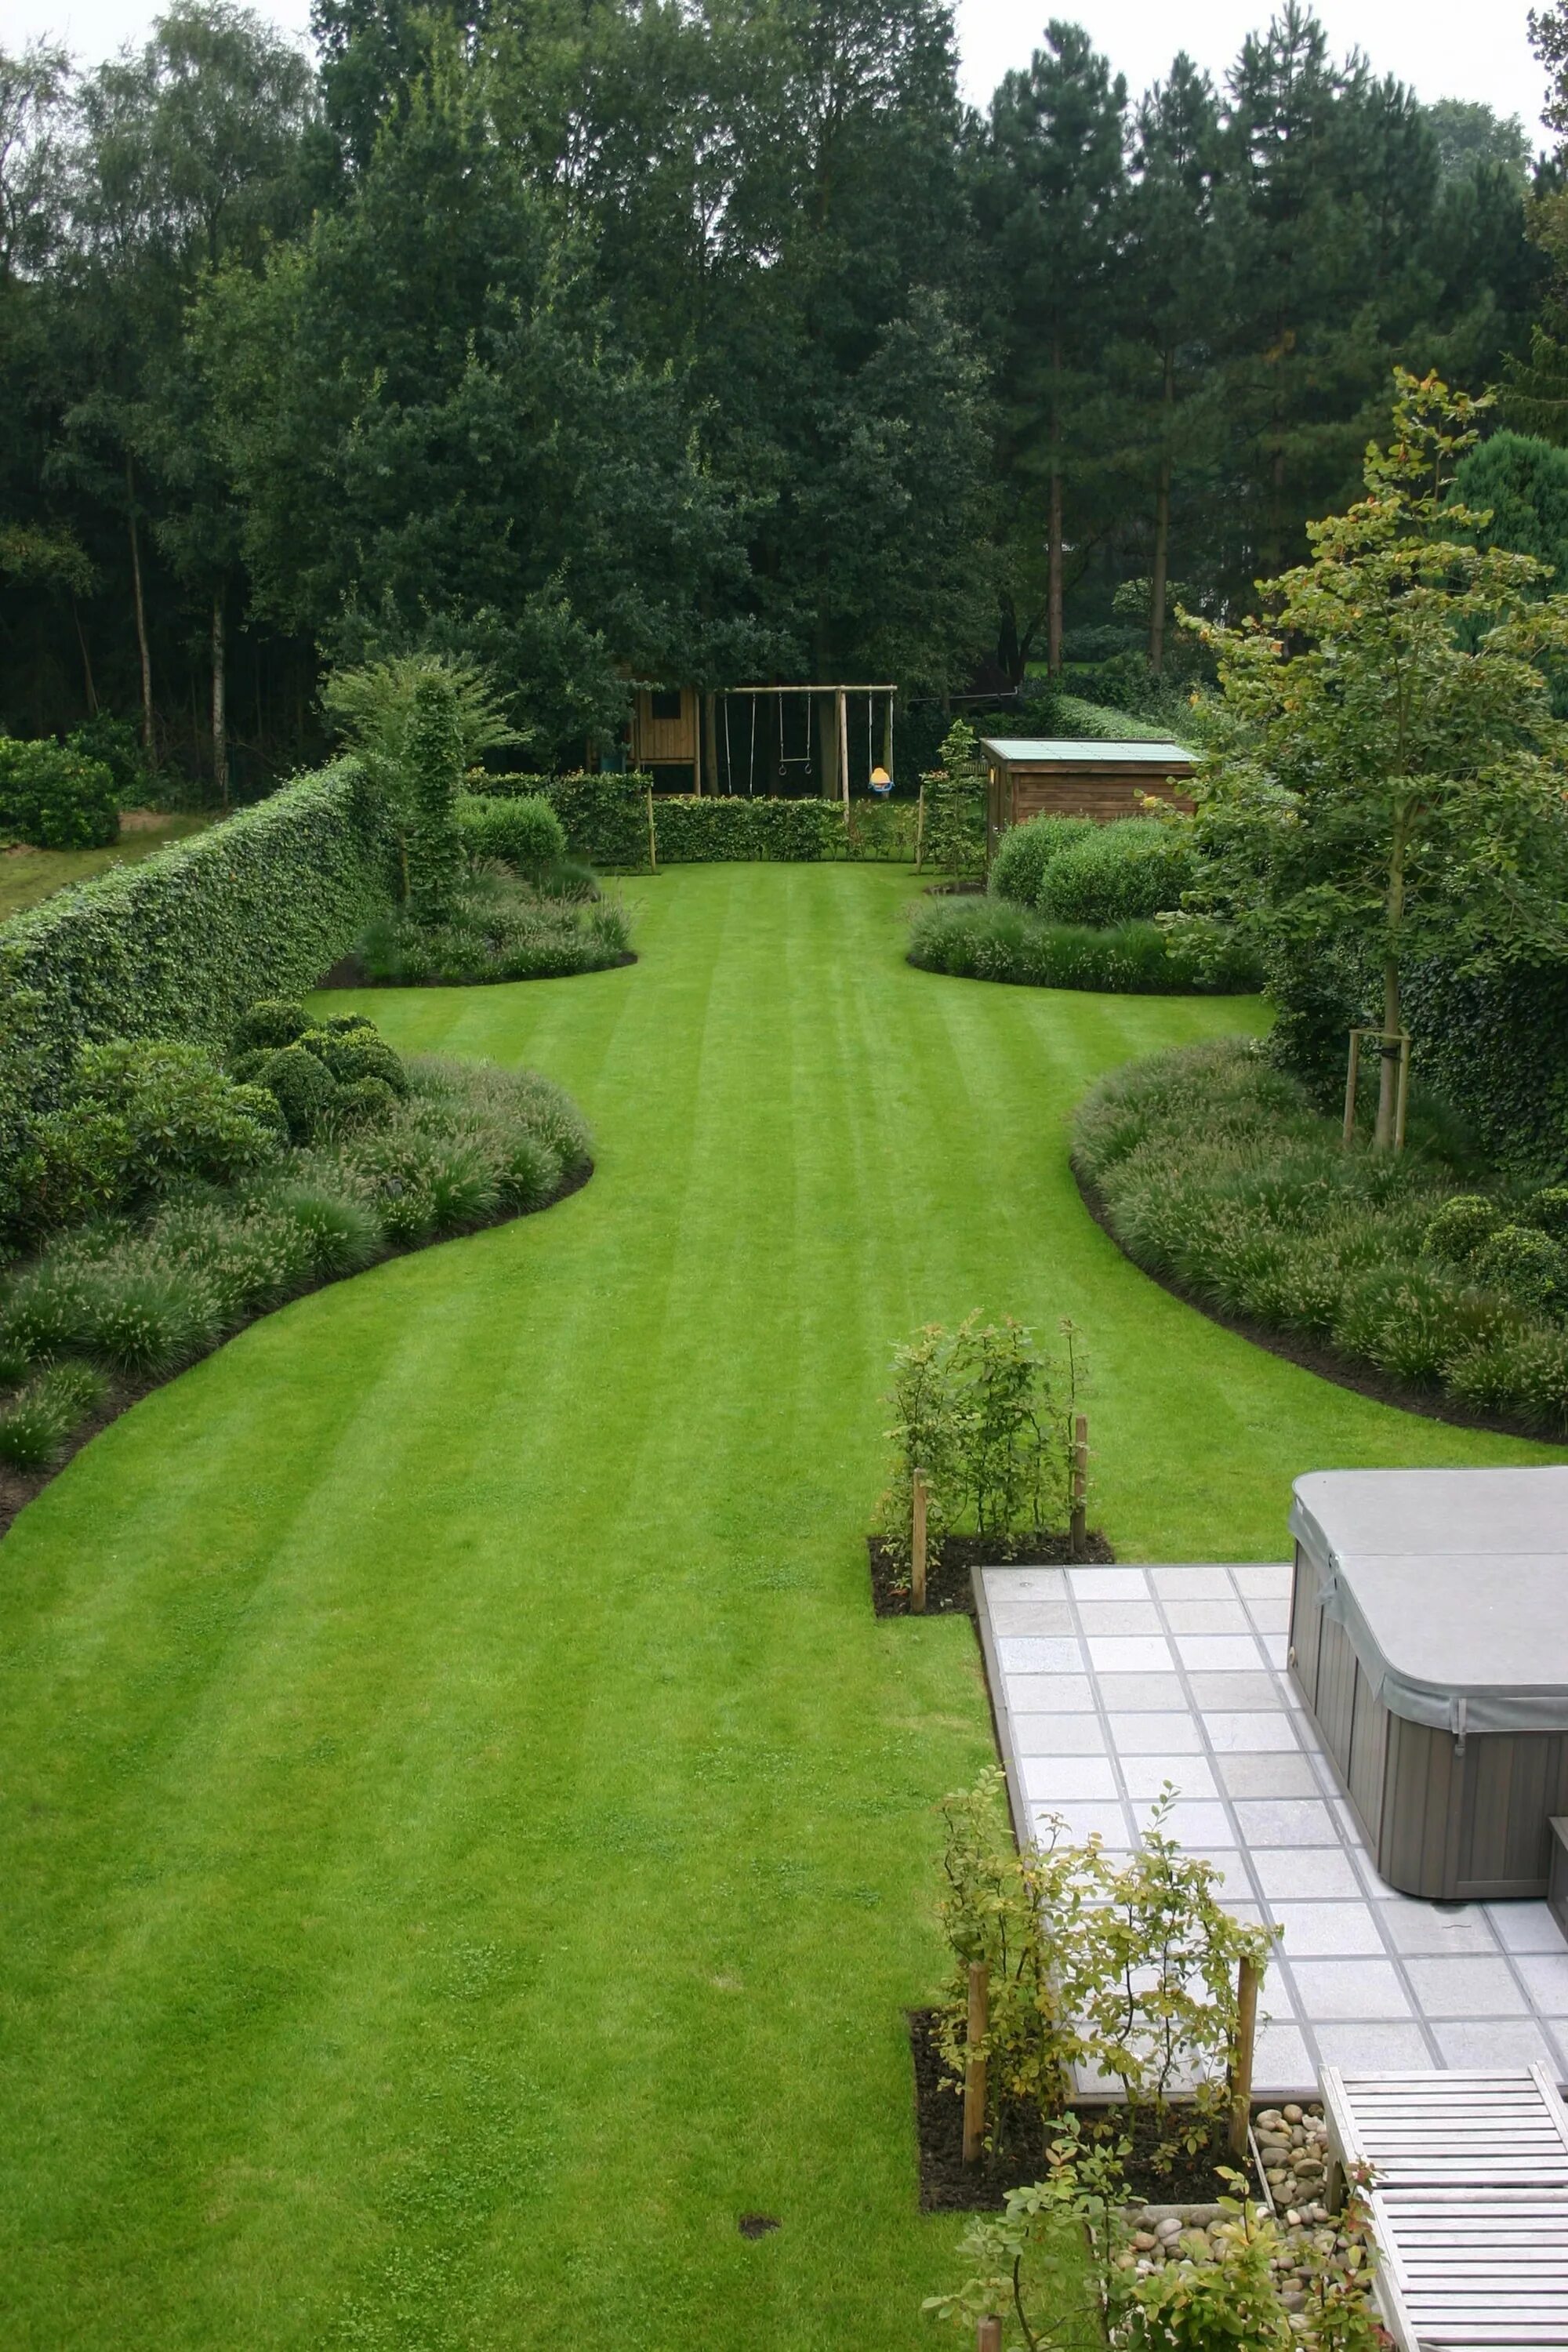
column 690, row 340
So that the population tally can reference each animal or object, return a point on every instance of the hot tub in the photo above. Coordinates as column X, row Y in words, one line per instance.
column 1429, row 1637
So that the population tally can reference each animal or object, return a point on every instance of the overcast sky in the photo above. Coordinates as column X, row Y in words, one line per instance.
column 1442, row 46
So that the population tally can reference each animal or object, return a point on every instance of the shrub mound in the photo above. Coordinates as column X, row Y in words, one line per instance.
column 1073, row 870
column 1216, row 1174
column 57, row 796
column 217, row 1199
column 990, row 939
column 496, row 927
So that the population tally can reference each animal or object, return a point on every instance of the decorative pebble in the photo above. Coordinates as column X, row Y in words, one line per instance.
column 1292, row 2114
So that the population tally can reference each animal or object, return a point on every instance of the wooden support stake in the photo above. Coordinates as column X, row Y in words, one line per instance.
column 921, row 830
column 988, row 2336
column 1079, row 1531
column 1353, row 1072
column 652, row 847
column 918, row 1545
column 974, row 2067
column 1241, row 2072
column 1404, row 1094
column 844, row 747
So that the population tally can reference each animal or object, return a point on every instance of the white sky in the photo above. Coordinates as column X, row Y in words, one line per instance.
column 1447, row 49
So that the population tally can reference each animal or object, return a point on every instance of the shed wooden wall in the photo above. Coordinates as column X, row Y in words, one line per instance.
column 1099, row 791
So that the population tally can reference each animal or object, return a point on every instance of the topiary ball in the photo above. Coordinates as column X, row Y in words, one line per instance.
column 303, row 1089
column 1525, row 1263
column 270, row 1022
column 364, row 1102
column 1549, row 1210
column 357, row 1053
column 1461, row 1228
column 341, row 1024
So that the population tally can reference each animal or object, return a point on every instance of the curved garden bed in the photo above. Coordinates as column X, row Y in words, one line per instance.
column 1213, row 1171
column 988, row 938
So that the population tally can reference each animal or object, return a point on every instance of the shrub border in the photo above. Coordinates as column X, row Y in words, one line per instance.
column 1327, row 1363
column 20, row 1487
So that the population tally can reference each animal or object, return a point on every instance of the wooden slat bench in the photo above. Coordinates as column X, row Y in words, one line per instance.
column 1469, row 2203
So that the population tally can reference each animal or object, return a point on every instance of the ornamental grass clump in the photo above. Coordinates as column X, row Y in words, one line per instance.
column 1216, row 1173
column 992, row 938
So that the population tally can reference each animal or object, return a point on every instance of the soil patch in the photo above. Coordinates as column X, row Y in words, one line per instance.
column 948, row 2185
column 1329, row 1365
column 17, row 1488
column 948, row 1589
column 348, row 972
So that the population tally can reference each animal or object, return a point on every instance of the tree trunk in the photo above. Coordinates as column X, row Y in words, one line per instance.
column 710, row 740
column 1054, row 534
column 1162, row 530
column 220, row 705
column 1382, row 1134
column 147, row 742
column 86, row 664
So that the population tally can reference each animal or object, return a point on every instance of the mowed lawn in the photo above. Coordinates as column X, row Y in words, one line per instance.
column 29, row 875
column 466, row 1840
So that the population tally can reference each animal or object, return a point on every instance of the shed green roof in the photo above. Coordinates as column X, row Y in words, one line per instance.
column 1042, row 750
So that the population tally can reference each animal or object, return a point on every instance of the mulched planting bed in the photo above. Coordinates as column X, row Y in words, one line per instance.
column 349, row 973
column 949, row 1591
column 17, row 1488
column 948, row 2185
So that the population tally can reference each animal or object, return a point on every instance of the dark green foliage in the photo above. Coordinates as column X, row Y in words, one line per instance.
column 695, row 831
column 36, row 1423
column 342, row 1233
column 356, row 1052
column 273, row 1021
column 524, row 832
column 1549, row 1210
column 121, row 1309
column 341, row 1075
column 989, row 939
column 1217, row 1174
column 55, row 797
column 115, row 744
column 1495, row 1045
column 1024, row 850
column 606, row 817
column 302, row 1087
column 434, row 758
column 182, row 943
column 1118, row 873
column 362, row 1102
column 1461, row 1228
column 495, row 930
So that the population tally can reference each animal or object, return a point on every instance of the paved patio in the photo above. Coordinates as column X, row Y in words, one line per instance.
column 1109, row 1680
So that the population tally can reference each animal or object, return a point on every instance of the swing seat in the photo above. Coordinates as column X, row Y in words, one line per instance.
column 881, row 782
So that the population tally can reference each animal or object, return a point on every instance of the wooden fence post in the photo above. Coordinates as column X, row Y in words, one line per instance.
column 918, row 1544
column 1241, row 2072
column 652, row 846
column 1079, row 1531
column 1353, row 1072
column 988, row 2336
column 975, row 2066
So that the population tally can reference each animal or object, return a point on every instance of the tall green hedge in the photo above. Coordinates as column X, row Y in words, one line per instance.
column 692, row 831
column 181, row 944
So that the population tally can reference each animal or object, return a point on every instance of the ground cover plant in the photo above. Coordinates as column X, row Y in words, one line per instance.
column 1217, row 1173
column 168, row 1200
column 448, row 1755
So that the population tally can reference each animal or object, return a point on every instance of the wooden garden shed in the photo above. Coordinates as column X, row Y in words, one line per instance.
column 1054, row 776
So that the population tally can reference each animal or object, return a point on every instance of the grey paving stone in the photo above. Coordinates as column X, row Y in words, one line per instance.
column 1413, row 1926
column 1218, row 1653
column 1128, row 1653
column 1261, row 1579
column 1032, row 1616
column 1254, row 1732
column 1328, row 1930
column 1275, row 1774
column 1108, row 1822
column 1231, row 1872
column 1193, row 1824
column 1361, row 2048
column 1118, row 1617
column 1285, row 1820
column 1186, row 1583
column 1276, row 1648
column 1109, row 1583
column 1028, row 1656
column 1151, row 1732
column 1060, row 1779
column 1230, row 1692
column 1026, row 1583
column 1143, row 1775
column 1495, row 2042
column 1207, row 1617
column 1121, row 1691
column 1269, row 1616
column 1545, row 1978
column 1526, row 1928
column 1365, row 1989
column 1058, row 1734
column 1304, row 1874
column 1464, row 1984
column 1050, row 1694
column 1280, row 2060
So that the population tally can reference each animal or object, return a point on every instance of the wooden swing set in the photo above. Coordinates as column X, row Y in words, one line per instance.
column 662, row 736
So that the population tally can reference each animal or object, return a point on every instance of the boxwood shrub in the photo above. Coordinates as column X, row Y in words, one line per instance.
column 522, row 830
column 988, row 938
column 1217, row 1173
column 54, row 797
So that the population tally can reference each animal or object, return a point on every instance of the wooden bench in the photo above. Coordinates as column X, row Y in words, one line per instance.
column 1469, row 2203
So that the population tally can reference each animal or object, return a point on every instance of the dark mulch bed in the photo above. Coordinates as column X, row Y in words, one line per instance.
column 1343, row 1371
column 348, row 972
column 949, row 1591
column 17, row 1488
column 948, row 2185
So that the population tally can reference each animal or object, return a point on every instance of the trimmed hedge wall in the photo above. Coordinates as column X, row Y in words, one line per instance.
column 181, row 944
column 691, row 831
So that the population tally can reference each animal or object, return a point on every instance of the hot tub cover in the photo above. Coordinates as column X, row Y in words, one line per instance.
column 1452, row 1588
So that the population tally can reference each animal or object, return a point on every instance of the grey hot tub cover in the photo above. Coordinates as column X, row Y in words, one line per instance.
column 1452, row 1588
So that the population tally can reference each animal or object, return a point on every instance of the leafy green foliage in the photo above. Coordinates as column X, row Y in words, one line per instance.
column 339, row 1075
column 524, row 832
column 1121, row 873
column 955, row 807
column 1217, row 1174
column 496, row 930
column 56, row 797
column 1021, row 856
column 711, row 829
column 990, row 939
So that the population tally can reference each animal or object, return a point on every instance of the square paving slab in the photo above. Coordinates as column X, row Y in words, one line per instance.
column 1110, row 1682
